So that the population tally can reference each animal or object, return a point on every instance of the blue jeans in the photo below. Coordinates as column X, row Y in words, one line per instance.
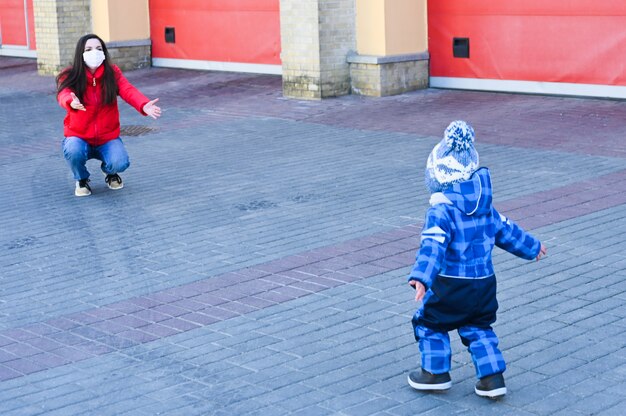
column 112, row 154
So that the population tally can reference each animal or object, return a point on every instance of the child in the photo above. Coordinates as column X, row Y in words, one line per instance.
column 453, row 272
column 88, row 90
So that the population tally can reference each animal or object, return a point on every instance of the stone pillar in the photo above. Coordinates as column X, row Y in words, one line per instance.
column 316, row 38
column 123, row 25
column 58, row 25
column 392, row 47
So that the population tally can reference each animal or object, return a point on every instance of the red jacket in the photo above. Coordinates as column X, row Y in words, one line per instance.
column 100, row 123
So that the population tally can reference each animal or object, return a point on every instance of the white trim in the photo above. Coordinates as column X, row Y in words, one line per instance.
column 26, row 23
column 532, row 87
column 217, row 66
column 17, row 51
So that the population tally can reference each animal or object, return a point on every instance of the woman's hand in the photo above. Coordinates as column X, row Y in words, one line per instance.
column 420, row 290
column 152, row 110
column 76, row 104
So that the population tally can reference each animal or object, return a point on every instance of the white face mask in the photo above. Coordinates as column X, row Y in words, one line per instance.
column 93, row 58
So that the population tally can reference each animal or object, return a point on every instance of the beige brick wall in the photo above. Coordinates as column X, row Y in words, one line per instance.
column 300, row 54
column 316, row 37
column 58, row 26
column 400, row 77
column 131, row 55
column 388, row 78
column 337, row 40
column 129, row 58
column 366, row 79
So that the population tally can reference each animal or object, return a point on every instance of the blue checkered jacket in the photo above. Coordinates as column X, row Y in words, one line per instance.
column 461, row 230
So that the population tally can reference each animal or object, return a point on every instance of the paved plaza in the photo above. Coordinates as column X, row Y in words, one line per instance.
column 255, row 262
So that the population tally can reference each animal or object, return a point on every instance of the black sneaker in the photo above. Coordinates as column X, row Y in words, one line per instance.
column 491, row 386
column 114, row 181
column 82, row 188
column 423, row 380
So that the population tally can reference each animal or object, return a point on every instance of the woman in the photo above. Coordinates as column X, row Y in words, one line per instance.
column 88, row 90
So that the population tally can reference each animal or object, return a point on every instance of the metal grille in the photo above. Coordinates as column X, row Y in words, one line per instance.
column 135, row 130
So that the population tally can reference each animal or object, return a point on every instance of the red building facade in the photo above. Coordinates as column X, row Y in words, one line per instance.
column 235, row 35
column 574, row 47
column 17, row 28
column 551, row 46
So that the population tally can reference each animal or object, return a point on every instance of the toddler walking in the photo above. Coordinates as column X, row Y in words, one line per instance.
column 453, row 274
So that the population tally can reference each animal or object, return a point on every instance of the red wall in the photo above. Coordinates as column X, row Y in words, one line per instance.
column 13, row 24
column 578, row 41
column 246, row 31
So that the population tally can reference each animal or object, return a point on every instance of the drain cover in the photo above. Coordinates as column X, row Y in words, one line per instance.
column 133, row 130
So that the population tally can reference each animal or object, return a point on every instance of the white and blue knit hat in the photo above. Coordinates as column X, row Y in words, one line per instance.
column 452, row 160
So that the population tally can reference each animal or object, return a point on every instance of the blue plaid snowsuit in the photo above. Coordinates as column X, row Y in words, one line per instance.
column 454, row 264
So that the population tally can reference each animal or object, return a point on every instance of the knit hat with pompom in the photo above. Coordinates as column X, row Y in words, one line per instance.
column 452, row 160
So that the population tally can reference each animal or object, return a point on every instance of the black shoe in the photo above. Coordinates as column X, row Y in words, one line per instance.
column 491, row 386
column 82, row 188
column 114, row 181
column 423, row 380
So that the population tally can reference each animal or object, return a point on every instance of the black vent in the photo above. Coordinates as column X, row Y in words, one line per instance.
column 460, row 47
column 170, row 35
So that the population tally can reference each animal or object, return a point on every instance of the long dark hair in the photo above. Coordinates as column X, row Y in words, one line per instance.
column 75, row 78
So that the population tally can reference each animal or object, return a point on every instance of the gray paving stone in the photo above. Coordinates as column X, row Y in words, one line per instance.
column 615, row 410
column 281, row 185
column 278, row 377
column 559, row 366
column 553, row 403
column 370, row 407
column 305, row 403
column 566, row 380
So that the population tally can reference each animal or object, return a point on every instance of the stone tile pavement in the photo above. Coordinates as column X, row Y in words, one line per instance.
column 255, row 261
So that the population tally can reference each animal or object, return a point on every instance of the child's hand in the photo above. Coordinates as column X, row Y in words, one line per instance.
column 420, row 290
column 542, row 252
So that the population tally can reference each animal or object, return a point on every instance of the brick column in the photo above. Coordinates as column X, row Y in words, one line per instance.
column 123, row 25
column 392, row 46
column 316, row 38
column 58, row 25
